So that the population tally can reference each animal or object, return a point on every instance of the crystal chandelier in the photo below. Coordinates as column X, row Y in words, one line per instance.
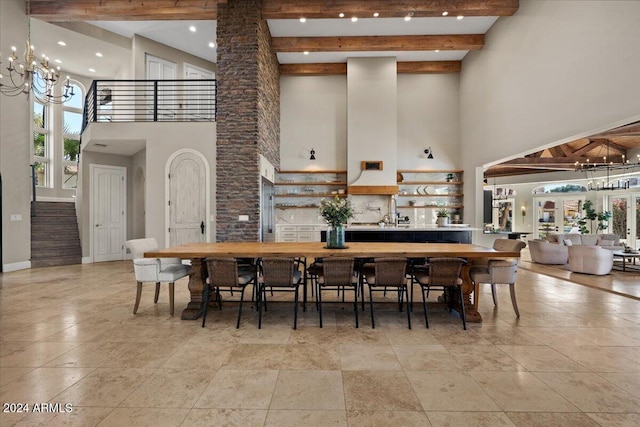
column 30, row 75
column 591, row 169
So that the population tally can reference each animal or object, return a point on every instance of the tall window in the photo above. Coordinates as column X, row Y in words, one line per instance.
column 71, row 128
column 42, row 144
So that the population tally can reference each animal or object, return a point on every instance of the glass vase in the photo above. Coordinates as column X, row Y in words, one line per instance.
column 335, row 237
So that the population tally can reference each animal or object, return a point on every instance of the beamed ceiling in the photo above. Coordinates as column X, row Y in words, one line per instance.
column 327, row 38
column 613, row 144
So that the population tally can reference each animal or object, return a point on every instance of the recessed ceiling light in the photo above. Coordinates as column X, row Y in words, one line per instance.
column 460, row 17
column 445, row 13
column 306, row 52
column 354, row 19
column 407, row 18
column 99, row 55
column 437, row 50
column 212, row 45
column 341, row 15
column 303, row 19
column 376, row 14
column 58, row 61
column 61, row 43
column 92, row 70
column 192, row 29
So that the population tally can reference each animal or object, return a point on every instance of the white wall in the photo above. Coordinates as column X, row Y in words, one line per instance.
column 554, row 70
column 15, row 150
column 142, row 46
column 313, row 114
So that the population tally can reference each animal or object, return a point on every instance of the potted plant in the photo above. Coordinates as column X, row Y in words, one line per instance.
column 443, row 217
column 336, row 212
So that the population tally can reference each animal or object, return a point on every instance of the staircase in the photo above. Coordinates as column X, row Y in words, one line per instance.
column 55, row 239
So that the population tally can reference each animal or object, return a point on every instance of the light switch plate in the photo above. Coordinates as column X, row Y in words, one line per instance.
column 243, row 217
column 16, row 217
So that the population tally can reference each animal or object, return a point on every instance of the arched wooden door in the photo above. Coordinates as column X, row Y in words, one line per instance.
column 187, row 199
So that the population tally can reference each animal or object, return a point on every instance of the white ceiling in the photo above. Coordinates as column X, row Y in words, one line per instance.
column 79, row 54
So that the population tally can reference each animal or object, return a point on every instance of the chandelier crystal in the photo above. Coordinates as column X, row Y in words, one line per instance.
column 29, row 75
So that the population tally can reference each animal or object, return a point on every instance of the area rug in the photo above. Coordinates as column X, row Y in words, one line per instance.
column 626, row 284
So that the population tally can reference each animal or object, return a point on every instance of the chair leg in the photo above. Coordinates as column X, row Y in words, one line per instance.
column 138, row 294
column 207, row 295
column 155, row 298
column 464, row 319
column 408, row 310
column 424, row 306
column 240, row 308
column 171, row 296
column 319, row 295
column 259, row 299
column 355, row 302
column 295, row 309
column 493, row 294
column 512, row 289
column 373, row 324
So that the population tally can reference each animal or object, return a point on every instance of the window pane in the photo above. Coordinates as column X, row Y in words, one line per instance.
column 76, row 100
column 70, row 176
column 41, row 174
column 39, row 115
column 39, row 144
column 72, row 123
column 71, row 148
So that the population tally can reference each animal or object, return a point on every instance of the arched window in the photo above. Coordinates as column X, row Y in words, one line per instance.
column 71, row 128
column 559, row 188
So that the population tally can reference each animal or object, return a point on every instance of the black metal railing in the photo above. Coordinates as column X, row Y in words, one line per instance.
column 150, row 101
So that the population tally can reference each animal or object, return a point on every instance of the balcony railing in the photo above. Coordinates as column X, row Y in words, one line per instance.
column 150, row 101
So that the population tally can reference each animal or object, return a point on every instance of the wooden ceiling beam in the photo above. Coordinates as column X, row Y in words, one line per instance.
column 590, row 146
column 557, row 152
column 311, row 9
column 560, row 161
column 315, row 69
column 123, row 10
column 378, row 43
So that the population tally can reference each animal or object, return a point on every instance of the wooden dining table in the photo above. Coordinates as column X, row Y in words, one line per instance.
column 198, row 252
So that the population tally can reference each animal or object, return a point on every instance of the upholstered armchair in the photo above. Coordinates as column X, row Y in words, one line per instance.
column 156, row 270
column 590, row 260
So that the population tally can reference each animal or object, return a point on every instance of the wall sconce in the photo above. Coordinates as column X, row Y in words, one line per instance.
column 523, row 210
column 429, row 153
column 313, row 154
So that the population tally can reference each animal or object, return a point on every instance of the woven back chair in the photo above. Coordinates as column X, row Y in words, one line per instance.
column 337, row 274
column 443, row 273
column 279, row 275
column 388, row 273
column 223, row 273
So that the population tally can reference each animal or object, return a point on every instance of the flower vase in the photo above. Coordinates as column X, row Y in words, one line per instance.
column 335, row 237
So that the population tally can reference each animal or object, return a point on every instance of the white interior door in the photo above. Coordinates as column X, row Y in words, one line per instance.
column 187, row 199
column 161, row 69
column 557, row 215
column 197, row 96
column 625, row 218
column 108, row 206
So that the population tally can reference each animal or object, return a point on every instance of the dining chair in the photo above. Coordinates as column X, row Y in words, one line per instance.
column 278, row 275
column 224, row 273
column 442, row 274
column 498, row 271
column 155, row 270
column 388, row 273
column 337, row 275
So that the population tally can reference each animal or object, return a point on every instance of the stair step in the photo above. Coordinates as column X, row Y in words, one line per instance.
column 56, row 261
column 61, row 244
column 53, row 219
column 53, row 253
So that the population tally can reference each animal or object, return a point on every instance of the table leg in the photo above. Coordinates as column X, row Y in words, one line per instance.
column 196, row 286
column 472, row 315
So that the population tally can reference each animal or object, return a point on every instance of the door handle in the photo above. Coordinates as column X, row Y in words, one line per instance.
column 202, row 227
column 98, row 225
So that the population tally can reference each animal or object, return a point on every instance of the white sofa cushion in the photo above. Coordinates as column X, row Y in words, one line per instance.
column 590, row 260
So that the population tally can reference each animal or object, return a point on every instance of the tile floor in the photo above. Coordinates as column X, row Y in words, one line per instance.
column 68, row 336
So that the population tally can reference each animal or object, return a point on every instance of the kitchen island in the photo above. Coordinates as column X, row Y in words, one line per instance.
column 404, row 233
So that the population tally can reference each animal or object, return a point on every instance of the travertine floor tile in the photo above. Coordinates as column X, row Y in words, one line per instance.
column 372, row 357
column 143, row 417
column 296, row 418
column 603, row 359
column 484, row 359
column 450, row 391
column 387, row 418
column 225, row 417
column 78, row 417
column 255, row 356
column 324, row 357
column 170, row 388
column 9, row 374
column 542, row 358
column 616, row 420
column 425, row 358
column 36, row 354
column 469, row 419
column 42, row 384
column 239, row 389
column 308, row 390
column 521, row 391
column 627, row 381
column 379, row 390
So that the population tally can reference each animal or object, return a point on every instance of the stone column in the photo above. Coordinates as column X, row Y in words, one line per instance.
column 248, row 116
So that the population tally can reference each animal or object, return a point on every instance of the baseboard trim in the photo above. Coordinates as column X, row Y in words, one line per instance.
column 87, row 260
column 24, row 265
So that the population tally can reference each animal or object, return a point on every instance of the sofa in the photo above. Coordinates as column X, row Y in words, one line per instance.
column 543, row 252
column 590, row 259
column 606, row 240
